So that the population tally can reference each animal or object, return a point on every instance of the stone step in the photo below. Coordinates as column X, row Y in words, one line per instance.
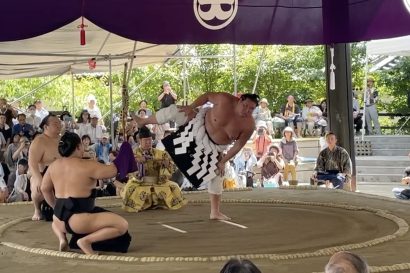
column 379, row 178
column 390, row 152
column 388, row 139
column 394, row 170
column 396, row 161
column 405, row 146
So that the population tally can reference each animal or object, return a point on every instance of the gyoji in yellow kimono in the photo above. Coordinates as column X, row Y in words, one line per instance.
column 152, row 187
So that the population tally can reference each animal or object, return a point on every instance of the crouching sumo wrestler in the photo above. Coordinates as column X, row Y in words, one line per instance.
column 68, row 186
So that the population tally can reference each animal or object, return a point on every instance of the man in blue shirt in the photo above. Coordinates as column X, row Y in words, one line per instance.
column 22, row 128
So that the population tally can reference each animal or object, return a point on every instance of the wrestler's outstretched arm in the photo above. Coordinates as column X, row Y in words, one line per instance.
column 238, row 145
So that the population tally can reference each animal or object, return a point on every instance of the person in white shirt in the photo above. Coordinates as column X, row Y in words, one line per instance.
column 93, row 109
column 32, row 118
column 41, row 112
column 95, row 130
column 83, row 124
column 20, row 185
column 311, row 116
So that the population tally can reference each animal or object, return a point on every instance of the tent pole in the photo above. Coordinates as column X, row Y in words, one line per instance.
column 185, row 102
column 366, row 74
column 132, row 57
column 235, row 84
column 259, row 69
column 38, row 87
column 111, row 107
column 72, row 93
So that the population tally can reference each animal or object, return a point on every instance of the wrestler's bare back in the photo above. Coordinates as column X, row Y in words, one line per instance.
column 224, row 124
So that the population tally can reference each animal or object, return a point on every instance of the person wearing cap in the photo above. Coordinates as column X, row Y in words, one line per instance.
column 371, row 98
column 41, row 112
column 290, row 112
column 103, row 148
column 311, row 116
column 290, row 152
column 271, row 164
column 95, row 130
column 262, row 113
column 152, row 188
column 262, row 139
column 167, row 96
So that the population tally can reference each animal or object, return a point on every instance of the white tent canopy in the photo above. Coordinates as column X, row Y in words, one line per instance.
column 392, row 47
column 60, row 51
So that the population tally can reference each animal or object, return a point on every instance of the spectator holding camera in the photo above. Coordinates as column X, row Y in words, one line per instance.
column 262, row 140
column 290, row 112
column 19, row 192
column 272, row 163
column 290, row 152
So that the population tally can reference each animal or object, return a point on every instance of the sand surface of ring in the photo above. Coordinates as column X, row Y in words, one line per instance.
column 258, row 227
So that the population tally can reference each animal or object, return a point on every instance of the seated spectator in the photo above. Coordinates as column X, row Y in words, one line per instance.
column 22, row 128
column 89, row 152
column 93, row 109
column 153, row 187
column 333, row 164
column 4, row 192
column 11, row 149
column 22, row 150
column 346, row 262
column 8, row 111
column 19, row 192
column 290, row 112
column 402, row 193
column 290, row 153
column 323, row 108
column 272, row 163
column 103, row 148
column 143, row 105
column 244, row 163
column 32, row 119
column 41, row 112
column 95, row 130
column 235, row 265
column 83, row 123
column 5, row 129
column 262, row 140
column 262, row 113
column 312, row 117
column 68, row 123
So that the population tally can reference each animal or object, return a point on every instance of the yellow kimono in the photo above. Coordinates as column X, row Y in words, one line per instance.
column 153, row 189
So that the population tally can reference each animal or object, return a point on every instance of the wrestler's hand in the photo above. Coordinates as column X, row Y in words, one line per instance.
column 220, row 168
column 188, row 110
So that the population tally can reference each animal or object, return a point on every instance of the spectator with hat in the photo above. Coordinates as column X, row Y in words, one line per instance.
column 93, row 109
column 271, row 164
column 262, row 113
column 103, row 148
column 95, row 130
column 262, row 139
column 312, row 116
column 371, row 115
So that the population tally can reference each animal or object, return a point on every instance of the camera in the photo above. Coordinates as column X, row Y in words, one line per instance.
column 68, row 118
column 260, row 131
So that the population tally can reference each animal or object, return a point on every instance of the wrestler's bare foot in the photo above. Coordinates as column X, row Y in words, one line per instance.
column 36, row 216
column 63, row 246
column 218, row 216
column 86, row 246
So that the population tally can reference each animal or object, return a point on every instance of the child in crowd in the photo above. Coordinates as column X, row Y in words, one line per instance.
column 289, row 152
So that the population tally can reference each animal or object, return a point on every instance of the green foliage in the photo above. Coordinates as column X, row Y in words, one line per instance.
column 285, row 70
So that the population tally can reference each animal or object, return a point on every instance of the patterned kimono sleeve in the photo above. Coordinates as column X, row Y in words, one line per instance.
column 320, row 162
column 346, row 163
column 165, row 171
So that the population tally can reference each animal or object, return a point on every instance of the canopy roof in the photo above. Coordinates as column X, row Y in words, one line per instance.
column 392, row 47
column 298, row 22
column 60, row 51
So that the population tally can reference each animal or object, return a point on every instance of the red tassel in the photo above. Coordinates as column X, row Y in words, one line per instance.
column 82, row 35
